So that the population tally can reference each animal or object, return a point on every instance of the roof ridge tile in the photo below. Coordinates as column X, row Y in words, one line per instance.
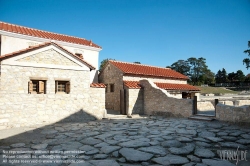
column 140, row 69
column 24, row 30
column 140, row 64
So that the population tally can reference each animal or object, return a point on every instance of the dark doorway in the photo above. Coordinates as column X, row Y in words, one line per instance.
column 123, row 94
column 186, row 95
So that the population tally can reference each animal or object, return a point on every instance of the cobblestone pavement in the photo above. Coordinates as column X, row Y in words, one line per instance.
column 148, row 141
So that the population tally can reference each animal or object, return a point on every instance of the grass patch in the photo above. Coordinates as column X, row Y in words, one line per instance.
column 215, row 90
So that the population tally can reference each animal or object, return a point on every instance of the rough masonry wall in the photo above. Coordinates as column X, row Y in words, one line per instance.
column 18, row 108
column 49, row 57
column 160, row 102
column 134, row 101
column 112, row 75
column 233, row 114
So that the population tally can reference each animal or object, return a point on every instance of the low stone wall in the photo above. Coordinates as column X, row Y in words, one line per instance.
column 233, row 114
column 134, row 104
column 231, row 103
column 236, row 103
column 205, row 106
column 159, row 102
column 241, row 102
column 97, row 103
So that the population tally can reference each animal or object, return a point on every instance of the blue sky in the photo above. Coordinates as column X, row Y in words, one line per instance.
column 153, row 32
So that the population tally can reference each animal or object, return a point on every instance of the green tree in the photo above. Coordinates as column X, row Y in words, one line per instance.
column 240, row 76
column 181, row 66
column 246, row 61
column 103, row 63
column 218, row 77
column 231, row 76
column 197, row 69
column 221, row 76
column 207, row 77
column 224, row 75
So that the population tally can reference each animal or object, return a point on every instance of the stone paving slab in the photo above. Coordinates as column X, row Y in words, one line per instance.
column 147, row 141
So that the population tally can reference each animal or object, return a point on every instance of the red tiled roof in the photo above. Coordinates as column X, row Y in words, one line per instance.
column 44, row 34
column 97, row 85
column 13, row 54
column 166, row 86
column 132, row 84
column 169, row 86
column 138, row 69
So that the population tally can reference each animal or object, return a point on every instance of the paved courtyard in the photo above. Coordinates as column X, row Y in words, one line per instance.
column 145, row 141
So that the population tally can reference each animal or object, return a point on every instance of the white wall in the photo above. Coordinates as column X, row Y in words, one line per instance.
column 89, row 56
column 12, row 44
column 161, row 80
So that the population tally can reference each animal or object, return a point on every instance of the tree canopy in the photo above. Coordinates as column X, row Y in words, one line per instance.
column 181, row 66
column 223, row 77
column 196, row 69
column 246, row 61
column 103, row 63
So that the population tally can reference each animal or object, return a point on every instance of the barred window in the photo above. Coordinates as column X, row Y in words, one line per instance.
column 37, row 86
column 62, row 87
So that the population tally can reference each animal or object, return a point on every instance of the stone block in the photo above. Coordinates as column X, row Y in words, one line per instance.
column 4, row 120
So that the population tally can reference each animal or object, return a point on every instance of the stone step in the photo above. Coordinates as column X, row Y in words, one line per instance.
column 116, row 116
column 205, row 115
column 205, row 118
column 120, row 116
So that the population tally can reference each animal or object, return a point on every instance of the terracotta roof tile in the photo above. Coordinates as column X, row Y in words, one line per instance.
column 44, row 34
column 13, row 54
column 132, row 84
column 169, row 86
column 166, row 86
column 97, row 85
column 139, row 69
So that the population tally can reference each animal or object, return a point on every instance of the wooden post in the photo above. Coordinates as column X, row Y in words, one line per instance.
column 216, row 101
column 195, row 105
column 123, row 95
column 121, row 101
column 125, row 102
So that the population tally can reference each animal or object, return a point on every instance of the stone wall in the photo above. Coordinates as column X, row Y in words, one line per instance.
column 241, row 102
column 49, row 57
column 134, row 101
column 160, row 102
column 112, row 75
column 235, row 103
column 18, row 108
column 233, row 114
column 205, row 106
column 97, row 102
column 90, row 54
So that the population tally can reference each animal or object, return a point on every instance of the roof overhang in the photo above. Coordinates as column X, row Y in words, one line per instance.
column 26, row 37
column 12, row 58
column 170, row 87
column 153, row 76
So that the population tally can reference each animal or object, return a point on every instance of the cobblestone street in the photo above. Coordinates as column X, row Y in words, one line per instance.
column 146, row 141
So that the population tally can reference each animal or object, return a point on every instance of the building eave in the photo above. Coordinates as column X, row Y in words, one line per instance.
column 26, row 37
